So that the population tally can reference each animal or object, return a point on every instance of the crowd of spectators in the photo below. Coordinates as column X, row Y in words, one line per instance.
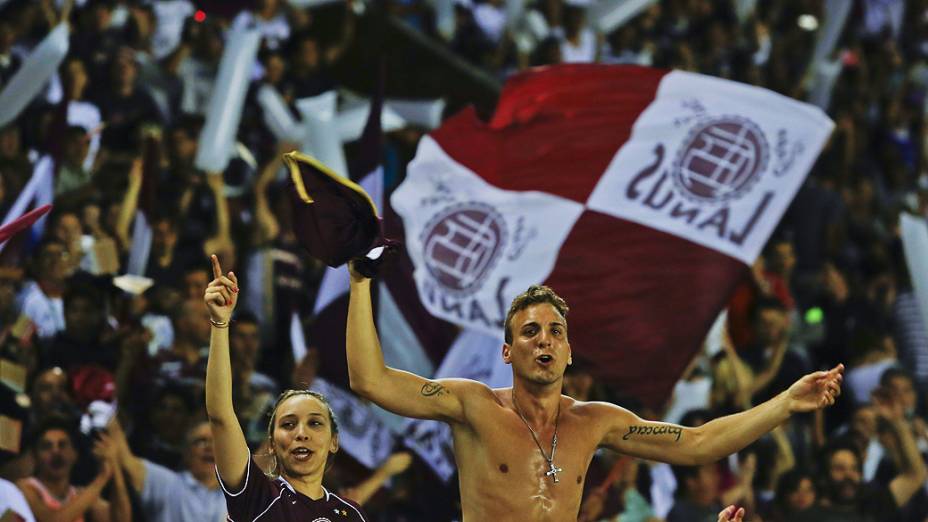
column 121, row 121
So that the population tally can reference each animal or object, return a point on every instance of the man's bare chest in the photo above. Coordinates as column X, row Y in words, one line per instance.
column 503, row 446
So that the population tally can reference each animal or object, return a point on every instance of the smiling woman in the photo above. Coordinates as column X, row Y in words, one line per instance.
column 302, row 434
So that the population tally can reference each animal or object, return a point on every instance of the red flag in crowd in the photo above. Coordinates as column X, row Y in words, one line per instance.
column 640, row 195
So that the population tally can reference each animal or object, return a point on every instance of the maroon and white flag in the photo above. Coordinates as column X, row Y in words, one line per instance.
column 640, row 195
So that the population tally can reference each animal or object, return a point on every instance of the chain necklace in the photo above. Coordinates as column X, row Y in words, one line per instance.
column 552, row 469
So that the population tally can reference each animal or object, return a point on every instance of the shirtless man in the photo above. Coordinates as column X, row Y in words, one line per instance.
column 522, row 452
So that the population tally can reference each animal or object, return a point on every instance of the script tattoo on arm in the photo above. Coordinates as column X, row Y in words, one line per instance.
column 653, row 430
column 433, row 389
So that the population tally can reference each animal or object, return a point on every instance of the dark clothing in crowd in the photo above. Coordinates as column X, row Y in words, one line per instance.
column 686, row 511
column 124, row 116
column 876, row 505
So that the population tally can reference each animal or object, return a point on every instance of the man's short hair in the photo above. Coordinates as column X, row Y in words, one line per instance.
column 766, row 303
column 48, row 241
column 191, row 124
column 789, row 482
column 172, row 389
column 196, row 266
column 50, row 423
column 536, row 294
column 895, row 373
column 82, row 288
column 866, row 339
column 840, row 444
column 681, row 473
column 75, row 132
column 197, row 421
column 172, row 219
column 44, row 244
column 695, row 417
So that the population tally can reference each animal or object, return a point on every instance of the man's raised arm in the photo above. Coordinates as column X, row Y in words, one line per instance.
column 395, row 390
column 716, row 439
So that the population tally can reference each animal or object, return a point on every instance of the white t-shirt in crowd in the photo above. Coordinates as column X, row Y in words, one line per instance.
column 87, row 115
column 47, row 313
column 862, row 380
column 492, row 20
column 12, row 499
column 584, row 52
column 274, row 31
column 169, row 496
column 170, row 16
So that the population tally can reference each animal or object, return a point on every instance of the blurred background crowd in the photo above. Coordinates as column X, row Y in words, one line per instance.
column 124, row 113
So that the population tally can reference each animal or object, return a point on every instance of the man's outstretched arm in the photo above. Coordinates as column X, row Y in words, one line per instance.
column 395, row 390
column 716, row 439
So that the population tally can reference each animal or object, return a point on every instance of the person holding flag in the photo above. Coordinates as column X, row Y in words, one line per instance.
column 523, row 452
column 302, row 435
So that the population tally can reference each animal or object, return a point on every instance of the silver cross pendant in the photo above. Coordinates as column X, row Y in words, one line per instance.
column 553, row 472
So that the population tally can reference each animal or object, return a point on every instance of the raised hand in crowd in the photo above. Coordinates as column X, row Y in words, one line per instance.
column 731, row 514
column 268, row 226
column 54, row 17
column 106, row 449
column 168, row 495
column 912, row 472
column 921, row 428
column 742, row 493
column 129, row 204
column 124, row 458
column 55, row 457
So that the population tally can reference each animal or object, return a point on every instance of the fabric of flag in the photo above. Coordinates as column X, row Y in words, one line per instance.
column 914, row 232
column 640, row 195
column 38, row 192
column 35, row 72
column 217, row 138
column 142, row 234
column 360, row 432
column 334, row 218
column 22, row 222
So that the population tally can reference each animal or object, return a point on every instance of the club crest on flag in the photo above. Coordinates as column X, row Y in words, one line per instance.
column 721, row 159
column 462, row 244
column 475, row 246
column 713, row 162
